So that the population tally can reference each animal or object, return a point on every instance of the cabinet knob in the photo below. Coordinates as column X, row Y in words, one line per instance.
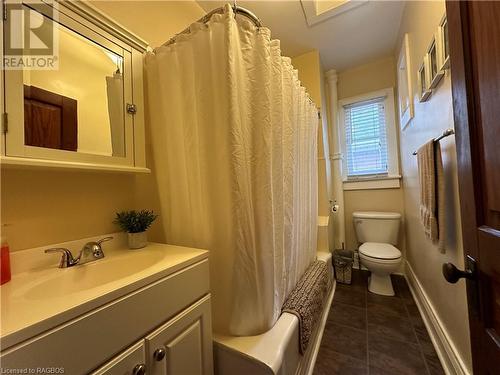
column 159, row 354
column 139, row 369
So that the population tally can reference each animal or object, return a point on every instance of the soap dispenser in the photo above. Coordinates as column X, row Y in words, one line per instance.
column 5, row 261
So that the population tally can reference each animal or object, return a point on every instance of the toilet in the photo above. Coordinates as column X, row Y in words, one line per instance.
column 378, row 232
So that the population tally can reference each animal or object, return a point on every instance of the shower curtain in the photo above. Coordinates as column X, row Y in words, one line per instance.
column 234, row 147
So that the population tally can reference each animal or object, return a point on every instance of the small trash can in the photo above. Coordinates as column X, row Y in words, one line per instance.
column 342, row 263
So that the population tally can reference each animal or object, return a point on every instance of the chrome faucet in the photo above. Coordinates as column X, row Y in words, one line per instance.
column 90, row 252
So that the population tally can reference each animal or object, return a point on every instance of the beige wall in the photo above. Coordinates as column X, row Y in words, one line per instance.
column 45, row 207
column 310, row 73
column 154, row 21
column 420, row 20
column 363, row 79
column 309, row 67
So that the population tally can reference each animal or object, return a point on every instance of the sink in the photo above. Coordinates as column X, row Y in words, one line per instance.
column 78, row 279
column 41, row 296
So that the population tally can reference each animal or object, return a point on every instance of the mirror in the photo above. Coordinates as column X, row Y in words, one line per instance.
column 78, row 107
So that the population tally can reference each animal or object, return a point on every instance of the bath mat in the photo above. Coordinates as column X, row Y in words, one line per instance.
column 307, row 299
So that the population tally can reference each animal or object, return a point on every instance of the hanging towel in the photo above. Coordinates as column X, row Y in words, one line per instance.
column 307, row 299
column 431, row 176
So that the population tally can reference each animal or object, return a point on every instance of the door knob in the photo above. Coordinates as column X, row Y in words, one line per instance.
column 452, row 274
column 159, row 354
column 140, row 369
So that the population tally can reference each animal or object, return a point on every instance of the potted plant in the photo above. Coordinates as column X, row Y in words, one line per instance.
column 135, row 223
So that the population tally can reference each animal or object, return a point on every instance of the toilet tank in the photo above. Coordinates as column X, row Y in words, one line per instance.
column 373, row 226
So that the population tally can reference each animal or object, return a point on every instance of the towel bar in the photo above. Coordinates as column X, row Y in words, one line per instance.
column 446, row 133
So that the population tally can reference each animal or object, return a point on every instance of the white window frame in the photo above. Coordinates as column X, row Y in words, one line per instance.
column 392, row 178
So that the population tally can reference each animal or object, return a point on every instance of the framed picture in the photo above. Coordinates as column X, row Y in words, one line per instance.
column 405, row 93
column 423, row 80
column 443, row 44
column 435, row 72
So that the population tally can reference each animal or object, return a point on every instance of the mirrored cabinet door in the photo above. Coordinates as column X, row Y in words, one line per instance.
column 79, row 107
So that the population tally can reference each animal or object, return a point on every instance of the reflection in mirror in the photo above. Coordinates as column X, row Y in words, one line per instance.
column 78, row 107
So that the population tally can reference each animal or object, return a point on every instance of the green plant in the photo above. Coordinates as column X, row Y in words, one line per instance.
column 135, row 221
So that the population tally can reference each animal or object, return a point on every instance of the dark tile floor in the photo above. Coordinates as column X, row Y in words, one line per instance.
column 377, row 335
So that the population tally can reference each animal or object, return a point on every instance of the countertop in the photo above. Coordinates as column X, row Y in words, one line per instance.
column 27, row 309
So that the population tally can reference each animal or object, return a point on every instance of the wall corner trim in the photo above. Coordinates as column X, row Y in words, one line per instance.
column 331, row 76
column 451, row 360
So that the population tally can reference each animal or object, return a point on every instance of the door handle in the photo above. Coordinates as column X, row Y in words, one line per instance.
column 452, row 274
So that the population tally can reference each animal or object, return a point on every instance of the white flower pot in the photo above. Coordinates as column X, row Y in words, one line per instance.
column 137, row 240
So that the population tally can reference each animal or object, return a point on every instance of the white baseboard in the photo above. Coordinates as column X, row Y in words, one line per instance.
column 448, row 354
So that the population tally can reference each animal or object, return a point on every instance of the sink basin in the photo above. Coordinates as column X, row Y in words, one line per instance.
column 91, row 275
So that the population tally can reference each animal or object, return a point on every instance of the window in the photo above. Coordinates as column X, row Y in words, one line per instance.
column 366, row 138
column 369, row 141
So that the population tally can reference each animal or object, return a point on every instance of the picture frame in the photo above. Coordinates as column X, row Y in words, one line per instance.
column 435, row 73
column 405, row 89
column 423, row 80
column 443, row 44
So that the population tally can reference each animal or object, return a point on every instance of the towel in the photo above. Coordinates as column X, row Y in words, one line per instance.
column 431, row 176
column 307, row 299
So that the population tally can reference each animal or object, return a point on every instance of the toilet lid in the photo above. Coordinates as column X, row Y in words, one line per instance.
column 379, row 250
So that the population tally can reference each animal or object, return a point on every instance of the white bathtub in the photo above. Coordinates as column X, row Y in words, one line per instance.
column 275, row 352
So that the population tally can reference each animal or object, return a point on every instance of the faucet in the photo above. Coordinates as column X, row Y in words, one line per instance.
column 90, row 252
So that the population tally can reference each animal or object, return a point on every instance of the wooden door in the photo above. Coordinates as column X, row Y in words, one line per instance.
column 183, row 345
column 474, row 34
column 132, row 361
column 50, row 120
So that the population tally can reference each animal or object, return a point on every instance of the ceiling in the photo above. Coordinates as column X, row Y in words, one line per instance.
column 357, row 36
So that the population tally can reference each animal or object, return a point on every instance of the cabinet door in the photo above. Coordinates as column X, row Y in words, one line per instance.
column 183, row 345
column 130, row 362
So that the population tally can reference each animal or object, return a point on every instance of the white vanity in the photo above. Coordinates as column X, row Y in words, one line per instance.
column 132, row 312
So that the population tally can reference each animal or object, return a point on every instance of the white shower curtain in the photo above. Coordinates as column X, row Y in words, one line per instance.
column 234, row 146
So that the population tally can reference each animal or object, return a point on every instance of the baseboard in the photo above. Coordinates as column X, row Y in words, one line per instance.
column 450, row 359
column 306, row 366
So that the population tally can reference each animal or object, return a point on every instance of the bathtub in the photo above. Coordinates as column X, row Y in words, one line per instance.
column 275, row 352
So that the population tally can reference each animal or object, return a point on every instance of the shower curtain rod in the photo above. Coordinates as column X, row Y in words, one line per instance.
column 236, row 9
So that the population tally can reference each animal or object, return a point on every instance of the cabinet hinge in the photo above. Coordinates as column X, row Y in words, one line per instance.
column 5, row 123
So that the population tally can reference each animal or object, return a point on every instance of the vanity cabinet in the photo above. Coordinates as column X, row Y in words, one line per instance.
column 131, row 362
column 183, row 346
column 156, row 320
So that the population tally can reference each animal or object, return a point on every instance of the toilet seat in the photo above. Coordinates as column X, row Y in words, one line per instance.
column 379, row 251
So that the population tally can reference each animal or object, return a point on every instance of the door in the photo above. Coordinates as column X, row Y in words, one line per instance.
column 50, row 120
column 474, row 34
column 130, row 362
column 183, row 345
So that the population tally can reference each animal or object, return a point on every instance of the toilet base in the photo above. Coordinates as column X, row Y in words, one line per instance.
column 381, row 284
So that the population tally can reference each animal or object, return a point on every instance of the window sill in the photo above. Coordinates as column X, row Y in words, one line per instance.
column 389, row 182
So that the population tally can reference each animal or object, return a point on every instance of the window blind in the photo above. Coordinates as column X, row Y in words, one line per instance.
column 366, row 138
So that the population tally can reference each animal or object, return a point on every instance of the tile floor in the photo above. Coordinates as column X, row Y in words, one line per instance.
column 371, row 334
